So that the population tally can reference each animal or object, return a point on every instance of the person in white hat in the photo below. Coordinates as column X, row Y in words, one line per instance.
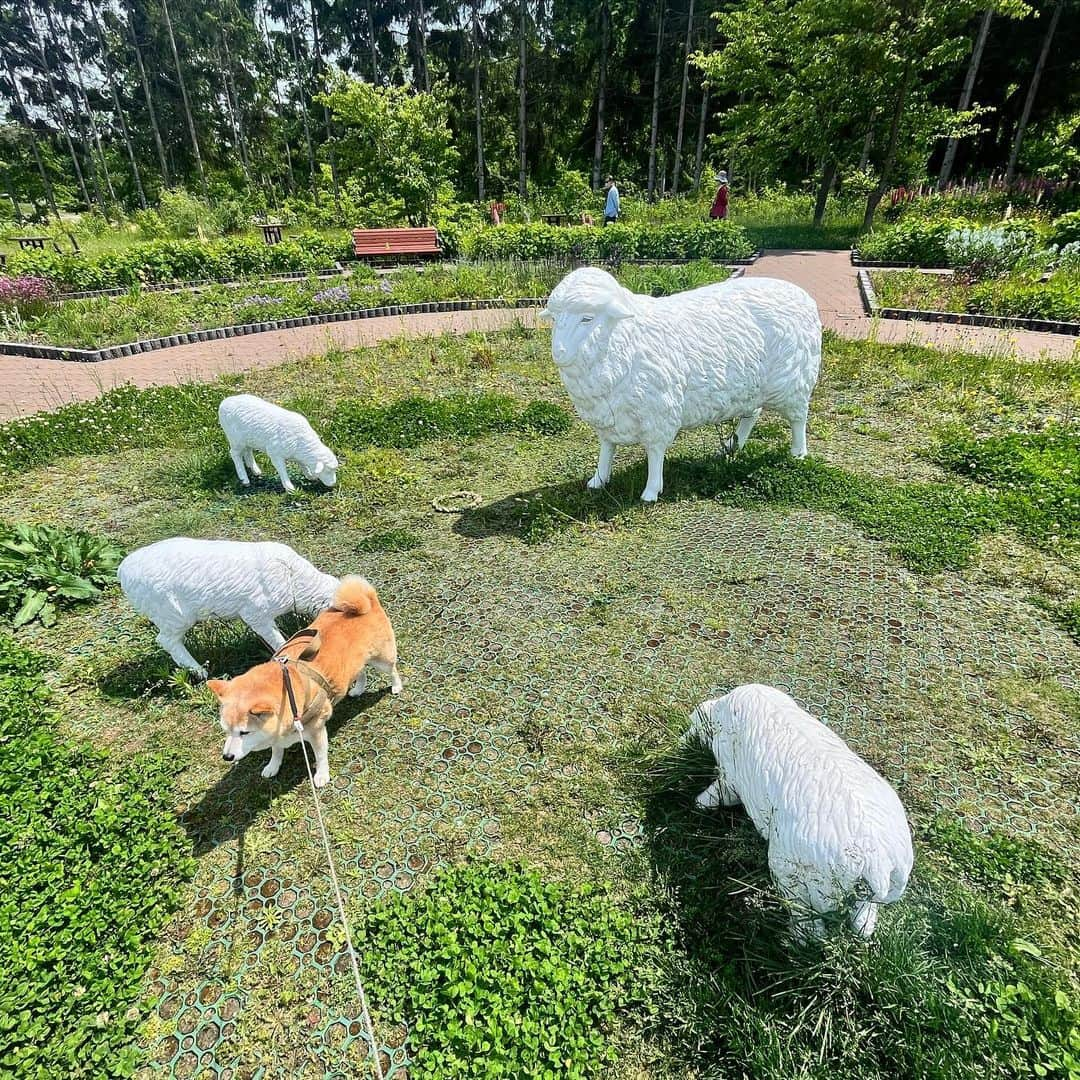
column 718, row 210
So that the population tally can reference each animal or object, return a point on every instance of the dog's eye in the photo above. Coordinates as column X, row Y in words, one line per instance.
column 242, row 733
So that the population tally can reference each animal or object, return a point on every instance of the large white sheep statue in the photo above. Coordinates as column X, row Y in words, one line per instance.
column 178, row 582
column 838, row 836
column 641, row 369
column 250, row 423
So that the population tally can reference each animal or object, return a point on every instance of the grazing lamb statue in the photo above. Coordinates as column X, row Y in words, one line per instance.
column 641, row 369
column 251, row 424
column 837, row 833
column 177, row 583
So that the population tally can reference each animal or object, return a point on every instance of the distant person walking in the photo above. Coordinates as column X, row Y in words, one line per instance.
column 718, row 210
column 611, row 206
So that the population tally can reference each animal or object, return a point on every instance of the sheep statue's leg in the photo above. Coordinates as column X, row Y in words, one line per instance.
column 251, row 463
column 603, row 466
column 265, row 627
column 717, row 794
column 274, row 764
column 237, row 455
column 655, row 484
column 863, row 918
column 172, row 641
column 746, row 424
column 283, row 472
column 798, row 435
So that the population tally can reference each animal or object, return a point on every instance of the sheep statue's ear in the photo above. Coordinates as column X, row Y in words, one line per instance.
column 319, row 469
column 621, row 305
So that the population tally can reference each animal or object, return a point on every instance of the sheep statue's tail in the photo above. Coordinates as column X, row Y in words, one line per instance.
column 354, row 596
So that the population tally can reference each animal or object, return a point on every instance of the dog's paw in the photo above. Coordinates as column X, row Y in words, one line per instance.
column 322, row 778
column 270, row 772
column 596, row 482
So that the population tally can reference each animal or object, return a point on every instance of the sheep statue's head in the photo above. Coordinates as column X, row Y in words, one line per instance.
column 587, row 301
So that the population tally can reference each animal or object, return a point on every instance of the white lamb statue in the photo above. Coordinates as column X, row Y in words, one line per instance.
column 179, row 582
column 837, row 833
column 641, row 369
column 251, row 424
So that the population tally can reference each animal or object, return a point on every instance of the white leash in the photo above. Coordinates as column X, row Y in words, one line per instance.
column 341, row 911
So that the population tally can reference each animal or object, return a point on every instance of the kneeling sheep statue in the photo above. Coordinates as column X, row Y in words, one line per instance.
column 838, row 836
column 641, row 369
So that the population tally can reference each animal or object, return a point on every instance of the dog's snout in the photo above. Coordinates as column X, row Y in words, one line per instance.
column 227, row 756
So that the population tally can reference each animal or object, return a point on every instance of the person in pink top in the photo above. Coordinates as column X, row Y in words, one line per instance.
column 718, row 211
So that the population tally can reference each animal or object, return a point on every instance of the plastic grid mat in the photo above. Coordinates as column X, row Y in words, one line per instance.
column 516, row 659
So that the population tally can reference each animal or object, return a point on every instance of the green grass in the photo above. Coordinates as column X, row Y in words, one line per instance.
column 903, row 583
column 92, row 868
column 801, row 236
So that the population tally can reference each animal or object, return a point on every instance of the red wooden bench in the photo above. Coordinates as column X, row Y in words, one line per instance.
column 391, row 244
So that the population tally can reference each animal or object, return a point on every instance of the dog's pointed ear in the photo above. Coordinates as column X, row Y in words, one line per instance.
column 217, row 687
column 311, row 649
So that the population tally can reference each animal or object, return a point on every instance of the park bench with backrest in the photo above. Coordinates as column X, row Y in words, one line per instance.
column 395, row 244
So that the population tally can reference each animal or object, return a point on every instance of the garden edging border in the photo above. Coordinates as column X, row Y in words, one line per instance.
column 962, row 318
column 115, row 352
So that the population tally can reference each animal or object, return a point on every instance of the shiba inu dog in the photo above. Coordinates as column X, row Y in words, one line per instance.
column 322, row 663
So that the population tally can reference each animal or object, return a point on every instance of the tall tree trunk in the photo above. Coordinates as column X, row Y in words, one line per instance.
column 116, row 105
column 274, row 67
column 25, row 118
column 522, row 170
column 864, row 158
column 418, row 45
column 702, row 122
column 184, row 98
column 601, row 93
column 1010, row 173
column 655, row 103
column 159, row 146
column 965, row 97
column 882, row 186
column 76, row 61
column 59, row 107
column 237, row 109
column 321, row 68
column 476, row 94
column 372, row 45
column 828, row 175
column 302, row 88
column 682, row 102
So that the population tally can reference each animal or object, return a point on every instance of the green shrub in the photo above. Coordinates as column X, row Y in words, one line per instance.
column 92, row 863
column 1066, row 229
column 717, row 240
column 42, row 567
column 413, row 421
column 161, row 261
column 952, row 242
column 120, row 419
column 1057, row 298
column 499, row 973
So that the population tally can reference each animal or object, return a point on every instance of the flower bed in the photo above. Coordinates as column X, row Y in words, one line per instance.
column 953, row 242
column 159, row 261
column 99, row 323
column 1057, row 299
column 716, row 240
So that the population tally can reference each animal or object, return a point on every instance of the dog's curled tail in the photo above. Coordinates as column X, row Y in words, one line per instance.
column 354, row 596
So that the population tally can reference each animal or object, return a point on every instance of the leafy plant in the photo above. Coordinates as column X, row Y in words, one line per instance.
column 499, row 973
column 93, row 858
column 43, row 567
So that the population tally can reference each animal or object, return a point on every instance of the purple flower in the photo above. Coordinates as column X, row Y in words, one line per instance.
column 260, row 301
column 24, row 290
column 337, row 294
column 386, row 286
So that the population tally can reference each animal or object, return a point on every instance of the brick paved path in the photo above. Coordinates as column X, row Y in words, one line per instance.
column 27, row 385
column 830, row 279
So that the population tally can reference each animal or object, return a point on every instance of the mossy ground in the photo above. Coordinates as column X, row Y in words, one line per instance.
column 552, row 645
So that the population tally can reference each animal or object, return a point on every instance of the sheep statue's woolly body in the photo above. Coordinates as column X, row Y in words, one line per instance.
column 177, row 583
column 641, row 369
column 251, row 424
column 838, row 836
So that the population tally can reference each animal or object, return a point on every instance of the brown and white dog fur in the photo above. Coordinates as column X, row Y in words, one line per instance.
column 351, row 634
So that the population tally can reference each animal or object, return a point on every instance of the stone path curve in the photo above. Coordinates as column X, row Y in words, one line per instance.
column 28, row 385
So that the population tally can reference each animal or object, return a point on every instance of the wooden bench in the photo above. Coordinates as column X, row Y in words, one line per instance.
column 271, row 233
column 555, row 219
column 392, row 244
